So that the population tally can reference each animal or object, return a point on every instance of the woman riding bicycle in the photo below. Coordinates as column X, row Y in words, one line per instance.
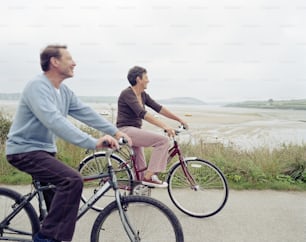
column 131, row 111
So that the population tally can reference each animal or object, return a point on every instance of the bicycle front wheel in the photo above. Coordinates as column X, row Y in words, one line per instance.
column 16, row 225
column 150, row 219
column 209, row 194
column 96, row 164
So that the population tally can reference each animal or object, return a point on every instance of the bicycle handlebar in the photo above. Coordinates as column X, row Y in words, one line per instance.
column 179, row 129
column 122, row 141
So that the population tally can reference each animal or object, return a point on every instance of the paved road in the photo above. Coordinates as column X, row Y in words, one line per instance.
column 248, row 216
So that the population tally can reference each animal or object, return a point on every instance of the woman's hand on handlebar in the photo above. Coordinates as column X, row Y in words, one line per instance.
column 120, row 135
column 170, row 131
column 184, row 124
column 107, row 141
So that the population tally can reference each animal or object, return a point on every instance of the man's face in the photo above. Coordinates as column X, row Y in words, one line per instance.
column 65, row 64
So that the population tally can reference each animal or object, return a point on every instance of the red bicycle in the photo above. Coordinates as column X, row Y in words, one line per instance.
column 196, row 186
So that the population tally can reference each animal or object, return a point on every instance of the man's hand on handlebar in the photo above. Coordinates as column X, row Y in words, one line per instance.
column 107, row 141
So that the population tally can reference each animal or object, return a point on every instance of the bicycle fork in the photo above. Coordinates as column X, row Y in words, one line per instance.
column 132, row 234
column 189, row 177
column 172, row 152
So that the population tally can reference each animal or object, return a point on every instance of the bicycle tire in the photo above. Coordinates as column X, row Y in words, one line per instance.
column 23, row 225
column 96, row 164
column 212, row 192
column 153, row 221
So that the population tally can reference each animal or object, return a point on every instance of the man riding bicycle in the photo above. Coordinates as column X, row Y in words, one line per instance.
column 31, row 145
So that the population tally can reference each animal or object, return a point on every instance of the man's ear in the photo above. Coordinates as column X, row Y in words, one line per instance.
column 54, row 61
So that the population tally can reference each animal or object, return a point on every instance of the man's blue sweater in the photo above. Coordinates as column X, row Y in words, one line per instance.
column 42, row 115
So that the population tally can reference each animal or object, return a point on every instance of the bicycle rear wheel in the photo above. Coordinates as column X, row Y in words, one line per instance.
column 151, row 219
column 20, row 226
column 97, row 164
column 209, row 195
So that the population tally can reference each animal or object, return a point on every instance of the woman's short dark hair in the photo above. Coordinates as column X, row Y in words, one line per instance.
column 47, row 53
column 135, row 72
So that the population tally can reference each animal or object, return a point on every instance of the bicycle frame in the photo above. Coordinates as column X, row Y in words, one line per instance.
column 173, row 151
column 111, row 183
column 38, row 190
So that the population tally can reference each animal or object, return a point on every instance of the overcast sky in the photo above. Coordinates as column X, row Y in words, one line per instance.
column 216, row 50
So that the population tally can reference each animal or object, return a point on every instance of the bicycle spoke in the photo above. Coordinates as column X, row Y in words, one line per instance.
column 98, row 163
column 209, row 194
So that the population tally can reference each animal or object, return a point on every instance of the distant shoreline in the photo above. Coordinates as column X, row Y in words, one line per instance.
column 295, row 104
column 246, row 128
column 298, row 104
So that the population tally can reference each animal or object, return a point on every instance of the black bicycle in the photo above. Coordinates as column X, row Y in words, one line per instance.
column 127, row 218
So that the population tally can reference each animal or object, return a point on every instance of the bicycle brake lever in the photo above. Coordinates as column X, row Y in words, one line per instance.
column 122, row 141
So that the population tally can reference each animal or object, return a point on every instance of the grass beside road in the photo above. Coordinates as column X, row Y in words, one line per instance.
column 280, row 169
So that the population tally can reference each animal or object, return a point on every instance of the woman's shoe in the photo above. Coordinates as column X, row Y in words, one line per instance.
column 154, row 182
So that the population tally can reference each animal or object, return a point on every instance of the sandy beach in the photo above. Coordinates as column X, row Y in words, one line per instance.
column 241, row 127
column 246, row 128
